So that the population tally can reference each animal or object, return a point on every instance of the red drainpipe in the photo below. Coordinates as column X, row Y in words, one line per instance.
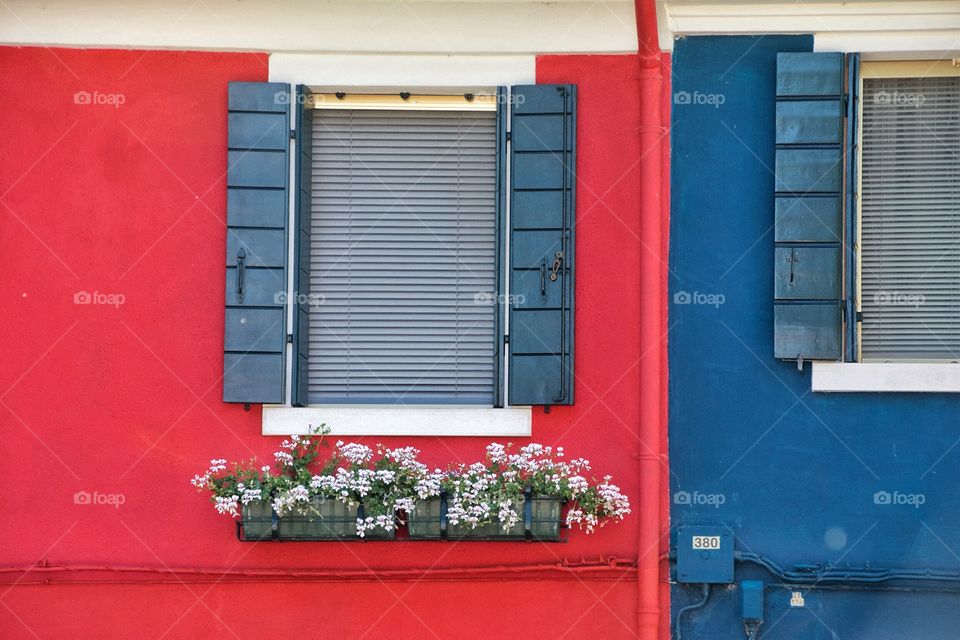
column 652, row 327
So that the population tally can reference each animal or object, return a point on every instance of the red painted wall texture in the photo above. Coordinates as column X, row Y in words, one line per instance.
column 112, row 181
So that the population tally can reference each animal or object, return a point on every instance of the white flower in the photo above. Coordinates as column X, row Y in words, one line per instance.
column 289, row 500
column 385, row 476
column 577, row 484
column 283, row 457
column 250, row 495
column 403, row 504
column 429, row 486
column 354, row 452
column 227, row 504
column 385, row 522
column 403, row 454
column 496, row 452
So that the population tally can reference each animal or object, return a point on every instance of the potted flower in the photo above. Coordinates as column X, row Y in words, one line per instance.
column 515, row 496
column 283, row 502
column 358, row 491
column 353, row 492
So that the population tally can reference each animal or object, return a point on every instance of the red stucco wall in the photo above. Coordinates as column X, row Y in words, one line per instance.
column 129, row 200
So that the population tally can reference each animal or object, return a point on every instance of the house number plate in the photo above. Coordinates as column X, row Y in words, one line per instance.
column 706, row 542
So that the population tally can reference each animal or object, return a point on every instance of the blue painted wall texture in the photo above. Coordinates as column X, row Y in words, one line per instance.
column 852, row 480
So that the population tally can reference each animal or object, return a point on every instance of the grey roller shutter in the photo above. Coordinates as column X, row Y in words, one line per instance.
column 910, row 219
column 402, row 259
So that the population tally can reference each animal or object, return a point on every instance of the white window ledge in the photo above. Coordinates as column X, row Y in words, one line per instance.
column 398, row 420
column 887, row 377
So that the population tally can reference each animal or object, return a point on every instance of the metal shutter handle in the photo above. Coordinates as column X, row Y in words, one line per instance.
column 241, row 274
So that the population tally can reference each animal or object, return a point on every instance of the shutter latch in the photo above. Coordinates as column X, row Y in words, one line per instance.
column 557, row 265
column 793, row 259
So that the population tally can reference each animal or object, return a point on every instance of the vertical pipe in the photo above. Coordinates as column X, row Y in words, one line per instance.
column 652, row 302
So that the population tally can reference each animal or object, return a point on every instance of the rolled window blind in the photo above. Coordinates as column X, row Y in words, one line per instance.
column 402, row 257
column 910, row 219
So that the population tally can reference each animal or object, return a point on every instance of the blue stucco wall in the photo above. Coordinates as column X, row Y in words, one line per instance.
column 793, row 474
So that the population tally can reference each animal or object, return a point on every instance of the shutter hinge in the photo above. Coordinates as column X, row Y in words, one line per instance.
column 506, row 338
column 508, row 136
column 293, row 134
column 846, row 102
column 859, row 315
column 289, row 338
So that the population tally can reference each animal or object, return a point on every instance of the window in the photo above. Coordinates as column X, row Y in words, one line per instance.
column 403, row 257
column 867, row 222
column 422, row 245
column 910, row 214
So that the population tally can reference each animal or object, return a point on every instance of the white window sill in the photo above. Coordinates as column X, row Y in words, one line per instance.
column 406, row 420
column 886, row 377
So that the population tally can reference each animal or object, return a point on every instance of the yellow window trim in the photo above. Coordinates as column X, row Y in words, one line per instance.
column 910, row 69
column 397, row 102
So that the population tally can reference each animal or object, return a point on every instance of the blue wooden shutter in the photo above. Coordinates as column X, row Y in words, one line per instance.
column 542, row 188
column 303, row 193
column 852, row 142
column 499, row 330
column 257, row 203
column 808, row 206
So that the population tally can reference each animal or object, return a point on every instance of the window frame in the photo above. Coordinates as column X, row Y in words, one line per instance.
column 875, row 70
column 420, row 419
column 858, row 376
column 424, row 102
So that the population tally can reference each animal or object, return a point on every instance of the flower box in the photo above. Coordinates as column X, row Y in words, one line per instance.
column 540, row 521
column 323, row 520
column 373, row 490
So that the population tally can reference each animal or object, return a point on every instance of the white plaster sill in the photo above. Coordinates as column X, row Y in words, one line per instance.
column 886, row 377
column 420, row 420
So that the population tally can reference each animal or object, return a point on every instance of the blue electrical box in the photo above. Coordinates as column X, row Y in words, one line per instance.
column 704, row 555
column 751, row 602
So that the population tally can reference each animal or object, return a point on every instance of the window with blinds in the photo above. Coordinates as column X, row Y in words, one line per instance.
column 402, row 257
column 910, row 219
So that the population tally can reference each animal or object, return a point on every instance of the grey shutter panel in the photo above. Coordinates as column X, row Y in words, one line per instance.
column 851, row 217
column 257, row 167
column 499, row 345
column 542, row 195
column 808, row 206
column 910, row 219
column 303, row 300
column 403, row 257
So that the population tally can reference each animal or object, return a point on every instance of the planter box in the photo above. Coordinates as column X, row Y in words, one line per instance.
column 428, row 517
column 423, row 523
column 325, row 520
